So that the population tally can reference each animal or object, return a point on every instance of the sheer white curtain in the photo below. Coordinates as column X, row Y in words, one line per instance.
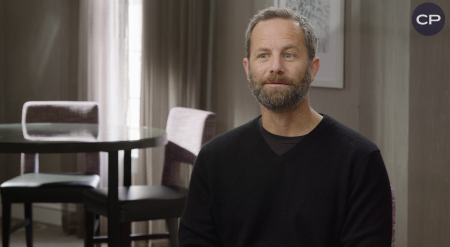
column 103, row 57
column 175, row 58
column 103, row 62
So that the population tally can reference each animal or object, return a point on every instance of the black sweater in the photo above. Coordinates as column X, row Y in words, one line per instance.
column 331, row 189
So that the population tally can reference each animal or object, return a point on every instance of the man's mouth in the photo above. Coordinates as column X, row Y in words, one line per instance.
column 275, row 83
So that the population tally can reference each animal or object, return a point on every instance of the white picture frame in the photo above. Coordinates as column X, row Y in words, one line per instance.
column 327, row 18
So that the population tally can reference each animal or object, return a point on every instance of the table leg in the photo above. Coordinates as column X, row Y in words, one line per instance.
column 127, row 168
column 113, row 200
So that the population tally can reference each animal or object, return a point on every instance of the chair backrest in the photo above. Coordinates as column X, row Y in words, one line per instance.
column 60, row 112
column 393, row 216
column 187, row 130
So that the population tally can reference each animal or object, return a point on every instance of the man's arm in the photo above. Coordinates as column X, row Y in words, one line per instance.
column 197, row 226
column 369, row 218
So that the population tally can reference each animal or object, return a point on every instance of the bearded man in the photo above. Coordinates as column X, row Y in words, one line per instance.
column 292, row 176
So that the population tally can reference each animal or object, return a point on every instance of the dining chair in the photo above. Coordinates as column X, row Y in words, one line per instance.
column 34, row 187
column 187, row 130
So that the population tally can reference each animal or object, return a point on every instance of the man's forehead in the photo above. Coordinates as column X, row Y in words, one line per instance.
column 277, row 29
column 279, row 23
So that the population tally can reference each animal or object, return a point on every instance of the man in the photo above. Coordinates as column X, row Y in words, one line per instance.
column 291, row 177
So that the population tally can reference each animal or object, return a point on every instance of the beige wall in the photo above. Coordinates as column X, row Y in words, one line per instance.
column 39, row 44
column 229, row 85
column 2, row 67
column 2, row 90
column 429, row 136
column 384, row 81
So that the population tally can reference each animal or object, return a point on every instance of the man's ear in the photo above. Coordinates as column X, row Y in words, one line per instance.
column 315, row 64
column 246, row 64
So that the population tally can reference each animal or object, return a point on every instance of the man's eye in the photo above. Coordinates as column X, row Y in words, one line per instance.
column 263, row 56
column 288, row 55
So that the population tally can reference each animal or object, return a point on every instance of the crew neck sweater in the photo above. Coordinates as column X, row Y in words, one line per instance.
column 330, row 189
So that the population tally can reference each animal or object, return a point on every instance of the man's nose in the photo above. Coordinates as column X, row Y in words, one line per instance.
column 277, row 65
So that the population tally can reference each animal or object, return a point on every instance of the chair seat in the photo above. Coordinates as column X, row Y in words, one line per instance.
column 44, row 187
column 139, row 203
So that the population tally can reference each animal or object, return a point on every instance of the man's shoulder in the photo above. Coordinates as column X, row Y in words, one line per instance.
column 233, row 138
column 346, row 137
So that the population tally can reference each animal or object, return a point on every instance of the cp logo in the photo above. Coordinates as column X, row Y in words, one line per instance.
column 428, row 19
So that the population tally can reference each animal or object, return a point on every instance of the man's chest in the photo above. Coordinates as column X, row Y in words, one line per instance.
column 292, row 198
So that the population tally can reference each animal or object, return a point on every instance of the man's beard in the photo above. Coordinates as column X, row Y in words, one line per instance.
column 283, row 97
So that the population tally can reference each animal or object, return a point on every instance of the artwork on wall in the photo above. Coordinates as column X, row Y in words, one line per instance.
column 327, row 18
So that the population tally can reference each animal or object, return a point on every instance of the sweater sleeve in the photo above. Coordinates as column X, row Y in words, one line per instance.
column 369, row 215
column 197, row 226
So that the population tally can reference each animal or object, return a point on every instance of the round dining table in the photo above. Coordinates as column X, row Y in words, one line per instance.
column 79, row 138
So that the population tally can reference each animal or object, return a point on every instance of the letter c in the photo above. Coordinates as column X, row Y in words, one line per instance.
column 418, row 19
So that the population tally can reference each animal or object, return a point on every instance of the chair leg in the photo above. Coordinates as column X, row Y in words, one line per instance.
column 97, row 228
column 125, row 232
column 89, row 229
column 6, row 223
column 172, row 227
column 80, row 220
column 29, row 225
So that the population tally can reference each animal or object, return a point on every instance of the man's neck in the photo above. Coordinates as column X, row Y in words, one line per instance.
column 296, row 121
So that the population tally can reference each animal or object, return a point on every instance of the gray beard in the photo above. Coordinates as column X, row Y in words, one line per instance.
column 280, row 99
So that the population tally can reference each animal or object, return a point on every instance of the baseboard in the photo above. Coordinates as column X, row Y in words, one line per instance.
column 50, row 213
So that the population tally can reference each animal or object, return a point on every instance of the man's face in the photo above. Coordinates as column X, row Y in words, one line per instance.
column 278, row 69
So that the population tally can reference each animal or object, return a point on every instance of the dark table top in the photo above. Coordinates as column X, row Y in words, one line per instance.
column 74, row 137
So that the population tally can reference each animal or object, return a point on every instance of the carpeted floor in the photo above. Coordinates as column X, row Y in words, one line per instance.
column 45, row 235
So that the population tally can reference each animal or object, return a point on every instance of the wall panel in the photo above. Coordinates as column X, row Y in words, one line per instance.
column 429, row 136
column 384, row 81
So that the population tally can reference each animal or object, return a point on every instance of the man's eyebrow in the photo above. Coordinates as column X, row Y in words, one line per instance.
column 286, row 47
column 262, row 49
column 291, row 46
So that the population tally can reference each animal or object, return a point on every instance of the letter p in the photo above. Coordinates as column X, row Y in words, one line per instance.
column 434, row 18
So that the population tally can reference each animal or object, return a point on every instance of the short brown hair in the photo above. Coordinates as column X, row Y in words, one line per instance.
column 287, row 14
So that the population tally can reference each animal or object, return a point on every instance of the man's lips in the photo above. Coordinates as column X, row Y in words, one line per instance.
column 276, row 83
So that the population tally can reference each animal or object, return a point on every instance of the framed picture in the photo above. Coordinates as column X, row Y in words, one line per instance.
column 327, row 18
